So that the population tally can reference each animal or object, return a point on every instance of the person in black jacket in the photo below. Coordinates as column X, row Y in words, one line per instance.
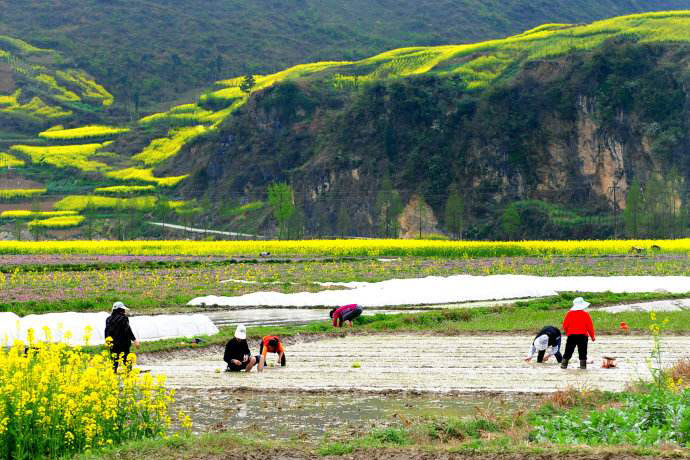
column 547, row 343
column 237, row 353
column 118, row 330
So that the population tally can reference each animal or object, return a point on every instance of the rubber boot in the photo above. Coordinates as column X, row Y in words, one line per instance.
column 583, row 364
column 564, row 364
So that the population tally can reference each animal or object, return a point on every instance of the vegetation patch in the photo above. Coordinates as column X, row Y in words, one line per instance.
column 9, row 161
column 145, row 175
column 84, row 132
column 21, row 214
column 82, row 202
column 125, row 189
column 57, row 222
column 161, row 149
column 58, row 401
column 65, row 156
column 11, row 194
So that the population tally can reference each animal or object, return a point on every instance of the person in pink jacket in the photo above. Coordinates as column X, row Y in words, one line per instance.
column 578, row 326
column 345, row 314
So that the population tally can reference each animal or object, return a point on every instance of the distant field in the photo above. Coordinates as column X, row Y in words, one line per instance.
column 351, row 248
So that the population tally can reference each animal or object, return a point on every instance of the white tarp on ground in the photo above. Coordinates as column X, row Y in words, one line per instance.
column 453, row 289
column 660, row 305
column 145, row 328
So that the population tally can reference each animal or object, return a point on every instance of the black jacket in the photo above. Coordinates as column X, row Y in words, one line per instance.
column 117, row 327
column 552, row 333
column 236, row 349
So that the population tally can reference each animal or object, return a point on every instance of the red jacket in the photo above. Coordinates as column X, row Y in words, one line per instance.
column 578, row 322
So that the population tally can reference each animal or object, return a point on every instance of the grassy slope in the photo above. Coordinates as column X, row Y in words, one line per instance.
column 479, row 66
column 136, row 45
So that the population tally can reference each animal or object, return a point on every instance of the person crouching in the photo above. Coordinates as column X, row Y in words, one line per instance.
column 578, row 326
column 271, row 344
column 547, row 343
column 345, row 314
column 237, row 353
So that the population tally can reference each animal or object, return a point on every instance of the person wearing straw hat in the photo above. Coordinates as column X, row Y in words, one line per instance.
column 578, row 327
column 119, row 335
column 547, row 343
column 237, row 353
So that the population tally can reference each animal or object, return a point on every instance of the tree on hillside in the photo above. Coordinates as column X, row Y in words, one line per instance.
column 281, row 200
column 633, row 210
column 388, row 207
column 248, row 84
column 455, row 212
column 510, row 222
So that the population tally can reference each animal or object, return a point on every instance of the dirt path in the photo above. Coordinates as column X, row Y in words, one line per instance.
column 421, row 363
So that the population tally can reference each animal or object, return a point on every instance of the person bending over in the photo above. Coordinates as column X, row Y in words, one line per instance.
column 578, row 326
column 345, row 314
column 237, row 353
column 547, row 343
column 120, row 333
column 271, row 344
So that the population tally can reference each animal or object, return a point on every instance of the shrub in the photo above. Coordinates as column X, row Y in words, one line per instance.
column 56, row 401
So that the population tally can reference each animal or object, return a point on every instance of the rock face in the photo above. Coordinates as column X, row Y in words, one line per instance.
column 573, row 133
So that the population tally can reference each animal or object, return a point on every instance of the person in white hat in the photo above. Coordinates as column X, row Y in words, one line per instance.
column 237, row 353
column 547, row 343
column 578, row 326
column 120, row 333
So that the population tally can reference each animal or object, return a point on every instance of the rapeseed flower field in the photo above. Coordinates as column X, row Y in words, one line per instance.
column 56, row 400
column 349, row 248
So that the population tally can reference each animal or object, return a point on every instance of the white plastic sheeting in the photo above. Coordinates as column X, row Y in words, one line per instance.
column 659, row 305
column 71, row 328
column 453, row 289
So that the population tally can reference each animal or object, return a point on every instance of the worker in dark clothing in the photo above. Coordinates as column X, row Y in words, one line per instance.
column 237, row 353
column 547, row 343
column 119, row 334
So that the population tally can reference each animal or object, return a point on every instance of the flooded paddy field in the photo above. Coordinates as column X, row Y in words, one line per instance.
column 386, row 363
column 307, row 416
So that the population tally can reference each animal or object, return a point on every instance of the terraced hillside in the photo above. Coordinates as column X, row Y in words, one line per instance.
column 198, row 150
column 147, row 51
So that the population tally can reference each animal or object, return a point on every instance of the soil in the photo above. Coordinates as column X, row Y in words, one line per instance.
column 420, row 364
column 403, row 454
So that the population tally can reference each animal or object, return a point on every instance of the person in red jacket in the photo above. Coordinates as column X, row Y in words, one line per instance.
column 271, row 344
column 578, row 326
column 345, row 314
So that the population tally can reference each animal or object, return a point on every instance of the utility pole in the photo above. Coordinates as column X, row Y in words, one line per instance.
column 613, row 190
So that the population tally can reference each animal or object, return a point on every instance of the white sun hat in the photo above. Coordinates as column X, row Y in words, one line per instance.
column 541, row 342
column 579, row 304
column 241, row 332
column 120, row 305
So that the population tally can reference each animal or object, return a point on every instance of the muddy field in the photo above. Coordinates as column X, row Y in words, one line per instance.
column 420, row 363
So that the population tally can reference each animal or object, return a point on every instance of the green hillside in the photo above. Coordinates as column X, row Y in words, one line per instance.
column 150, row 164
column 156, row 50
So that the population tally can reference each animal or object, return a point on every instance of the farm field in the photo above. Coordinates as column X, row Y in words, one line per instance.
column 66, row 282
column 433, row 377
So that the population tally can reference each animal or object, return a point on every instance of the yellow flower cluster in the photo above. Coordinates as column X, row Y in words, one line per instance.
column 20, row 193
column 165, row 147
column 56, row 400
column 83, row 132
column 20, row 214
column 57, row 222
column 145, row 175
column 348, row 248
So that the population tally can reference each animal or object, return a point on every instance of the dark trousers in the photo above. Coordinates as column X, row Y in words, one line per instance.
column 119, row 353
column 576, row 340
